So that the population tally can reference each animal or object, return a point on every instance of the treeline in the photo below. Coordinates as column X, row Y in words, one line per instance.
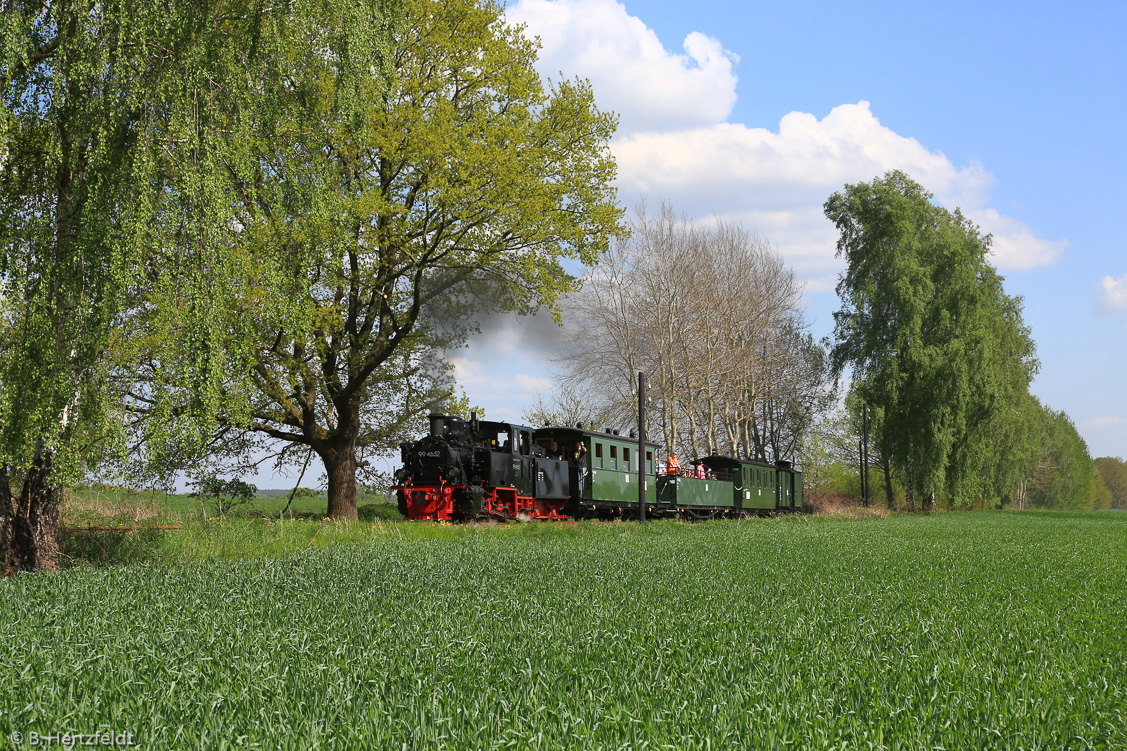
column 1109, row 483
column 930, row 358
column 1049, row 461
column 940, row 362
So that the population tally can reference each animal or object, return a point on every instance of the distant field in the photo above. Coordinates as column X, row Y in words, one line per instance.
column 91, row 505
column 134, row 527
column 969, row 631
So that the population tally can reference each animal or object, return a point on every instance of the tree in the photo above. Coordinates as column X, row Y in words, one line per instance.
column 119, row 123
column 1063, row 476
column 565, row 405
column 460, row 187
column 934, row 343
column 710, row 313
column 237, row 492
column 1113, row 470
column 1101, row 496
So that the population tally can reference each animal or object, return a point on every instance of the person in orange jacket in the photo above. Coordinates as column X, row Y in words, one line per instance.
column 671, row 464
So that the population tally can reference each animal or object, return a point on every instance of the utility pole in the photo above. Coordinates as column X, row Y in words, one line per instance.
column 641, row 446
column 865, row 454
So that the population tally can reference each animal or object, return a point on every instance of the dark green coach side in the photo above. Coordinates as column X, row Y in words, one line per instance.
column 788, row 486
column 694, row 496
column 758, row 486
column 753, row 483
column 611, row 482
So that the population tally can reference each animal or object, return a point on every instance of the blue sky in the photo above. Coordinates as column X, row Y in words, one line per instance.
column 1013, row 112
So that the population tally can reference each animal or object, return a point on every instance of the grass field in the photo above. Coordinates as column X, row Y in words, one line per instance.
column 972, row 630
column 137, row 527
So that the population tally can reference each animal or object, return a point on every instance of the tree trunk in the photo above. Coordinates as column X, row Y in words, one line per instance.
column 340, row 468
column 887, row 467
column 29, row 521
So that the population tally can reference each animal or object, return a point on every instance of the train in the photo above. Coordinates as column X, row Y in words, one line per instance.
column 476, row 469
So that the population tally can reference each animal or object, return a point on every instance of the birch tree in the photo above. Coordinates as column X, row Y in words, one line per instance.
column 708, row 311
column 931, row 337
column 121, row 126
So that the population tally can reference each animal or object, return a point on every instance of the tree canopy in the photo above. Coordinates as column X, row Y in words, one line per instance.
column 712, row 314
column 121, row 124
column 934, row 343
column 459, row 186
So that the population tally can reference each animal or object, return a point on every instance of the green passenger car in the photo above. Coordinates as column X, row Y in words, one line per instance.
column 753, row 483
column 611, row 478
column 694, row 495
column 758, row 486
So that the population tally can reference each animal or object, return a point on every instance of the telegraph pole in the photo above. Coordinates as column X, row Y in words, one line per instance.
column 865, row 453
column 641, row 446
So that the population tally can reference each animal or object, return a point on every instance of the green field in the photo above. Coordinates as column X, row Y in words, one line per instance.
column 970, row 630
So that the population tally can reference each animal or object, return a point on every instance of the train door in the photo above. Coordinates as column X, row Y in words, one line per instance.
column 523, row 468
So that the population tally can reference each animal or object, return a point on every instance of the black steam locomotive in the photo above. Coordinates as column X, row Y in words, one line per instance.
column 463, row 470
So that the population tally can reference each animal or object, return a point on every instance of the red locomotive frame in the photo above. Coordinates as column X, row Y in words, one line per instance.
column 436, row 503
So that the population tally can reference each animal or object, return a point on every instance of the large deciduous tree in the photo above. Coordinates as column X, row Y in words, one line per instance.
column 123, row 124
column 934, row 343
column 73, row 86
column 459, row 186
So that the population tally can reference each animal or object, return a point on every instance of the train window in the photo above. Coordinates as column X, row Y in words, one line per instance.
column 598, row 455
column 502, row 440
column 649, row 462
column 625, row 460
column 614, row 457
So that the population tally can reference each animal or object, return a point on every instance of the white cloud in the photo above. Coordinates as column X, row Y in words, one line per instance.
column 499, row 393
column 777, row 181
column 632, row 73
column 532, row 384
column 1113, row 301
column 1102, row 422
column 1016, row 247
column 674, row 143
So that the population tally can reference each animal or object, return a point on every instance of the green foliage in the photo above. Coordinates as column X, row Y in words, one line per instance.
column 459, row 405
column 225, row 494
column 994, row 632
column 123, row 126
column 460, row 186
column 934, row 343
column 1101, row 496
column 1113, row 470
column 1064, row 473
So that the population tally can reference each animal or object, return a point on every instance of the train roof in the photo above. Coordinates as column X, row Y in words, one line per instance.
column 728, row 462
column 570, row 433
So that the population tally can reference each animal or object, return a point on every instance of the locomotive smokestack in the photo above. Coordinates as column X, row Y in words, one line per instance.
column 437, row 425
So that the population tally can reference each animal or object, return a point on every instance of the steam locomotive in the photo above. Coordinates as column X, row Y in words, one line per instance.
column 479, row 469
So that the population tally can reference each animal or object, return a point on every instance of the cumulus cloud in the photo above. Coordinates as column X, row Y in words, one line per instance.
column 500, row 392
column 777, row 181
column 1102, row 422
column 676, row 145
column 631, row 71
column 1113, row 298
column 1016, row 247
